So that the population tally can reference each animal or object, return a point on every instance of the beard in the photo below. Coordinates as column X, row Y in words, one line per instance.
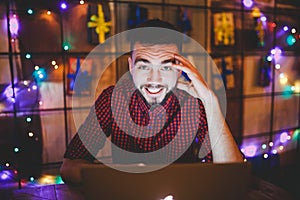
column 154, row 93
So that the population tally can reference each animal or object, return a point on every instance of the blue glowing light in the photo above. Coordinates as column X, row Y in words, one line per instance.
column 28, row 56
column 40, row 74
column 30, row 11
column 263, row 18
column 16, row 149
column 63, row 6
column 290, row 40
column 248, row 3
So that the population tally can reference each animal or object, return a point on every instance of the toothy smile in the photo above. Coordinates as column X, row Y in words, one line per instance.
column 153, row 89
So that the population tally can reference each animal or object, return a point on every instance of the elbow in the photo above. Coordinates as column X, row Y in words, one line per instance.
column 69, row 172
column 64, row 172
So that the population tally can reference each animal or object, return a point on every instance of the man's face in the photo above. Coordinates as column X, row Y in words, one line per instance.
column 152, row 71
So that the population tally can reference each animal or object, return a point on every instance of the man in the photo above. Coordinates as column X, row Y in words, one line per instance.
column 151, row 111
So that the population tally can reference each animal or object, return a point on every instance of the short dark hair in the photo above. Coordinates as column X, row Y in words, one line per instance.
column 156, row 31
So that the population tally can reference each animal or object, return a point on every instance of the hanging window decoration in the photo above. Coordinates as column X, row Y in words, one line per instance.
column 224, row 29
column 184, row 20
column 136, row 15
column 264, row 72
column 259, row 23
column 79, row 74
column 226, row 68
column 99, row 23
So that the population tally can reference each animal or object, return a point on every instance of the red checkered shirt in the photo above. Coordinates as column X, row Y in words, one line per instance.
column 137, row 127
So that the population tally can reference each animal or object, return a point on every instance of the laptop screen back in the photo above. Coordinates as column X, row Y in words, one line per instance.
column 181, row 181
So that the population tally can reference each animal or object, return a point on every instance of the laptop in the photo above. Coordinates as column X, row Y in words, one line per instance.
column 176, row 181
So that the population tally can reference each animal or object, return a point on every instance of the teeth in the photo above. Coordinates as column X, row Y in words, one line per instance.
column 154, row 90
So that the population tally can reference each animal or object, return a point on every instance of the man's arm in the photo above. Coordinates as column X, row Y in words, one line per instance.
column 224, row 148
column 70, row 170
column 89, row 139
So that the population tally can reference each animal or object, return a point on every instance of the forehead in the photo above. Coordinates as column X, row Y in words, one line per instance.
column 156, row 51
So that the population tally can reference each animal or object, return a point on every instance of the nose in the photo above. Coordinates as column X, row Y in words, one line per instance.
column 154, row 76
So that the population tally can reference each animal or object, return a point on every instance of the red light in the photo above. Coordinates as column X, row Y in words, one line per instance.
column 273, row 24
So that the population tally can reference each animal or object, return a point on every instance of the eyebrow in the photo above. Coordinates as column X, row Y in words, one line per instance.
column 171, row 60
column 141, row 60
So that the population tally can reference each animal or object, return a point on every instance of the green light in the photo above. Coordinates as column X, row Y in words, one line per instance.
column 31, row 178
column 263, row 146
column 28, row 119
column 66, row 46
column 290, row 40
column 296, row 134
column 30, row 11
column 28, row 56
column 269, row 58
column 16, row 149
column 58, row 180
column 287, row 92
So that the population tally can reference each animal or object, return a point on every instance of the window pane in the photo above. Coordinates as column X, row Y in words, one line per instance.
column 257, row 115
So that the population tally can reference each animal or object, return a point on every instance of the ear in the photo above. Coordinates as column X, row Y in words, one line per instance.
column 130, row 63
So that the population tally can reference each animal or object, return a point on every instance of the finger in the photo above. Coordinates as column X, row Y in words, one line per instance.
column 189, row 68
column 182, row 68
column 183, row 61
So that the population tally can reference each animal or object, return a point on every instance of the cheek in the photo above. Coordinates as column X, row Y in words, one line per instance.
column 138, row 78
column 171, row 79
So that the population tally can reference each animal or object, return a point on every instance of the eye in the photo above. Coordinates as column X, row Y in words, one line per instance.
column 143, row 67
column 166, row 68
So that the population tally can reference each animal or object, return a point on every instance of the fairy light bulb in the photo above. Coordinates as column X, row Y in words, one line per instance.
column 283, row 79
column 16, row 149
column 30, row 134
column 28, row 119
column 271, row 144
column 280, row 147
column 277, row 66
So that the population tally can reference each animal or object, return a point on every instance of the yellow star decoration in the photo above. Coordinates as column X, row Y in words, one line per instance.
column 100, row 24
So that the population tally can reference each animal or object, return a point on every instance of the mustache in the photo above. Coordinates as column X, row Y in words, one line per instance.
column 153, row 86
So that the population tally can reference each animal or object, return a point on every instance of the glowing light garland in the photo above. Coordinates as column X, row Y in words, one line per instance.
column 102, row 27
column 254, row 149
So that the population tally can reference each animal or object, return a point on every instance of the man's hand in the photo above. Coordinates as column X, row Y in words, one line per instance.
column 223, row 146
column 197, row 87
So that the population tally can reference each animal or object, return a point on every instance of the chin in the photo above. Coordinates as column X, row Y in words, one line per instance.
column 154, row 99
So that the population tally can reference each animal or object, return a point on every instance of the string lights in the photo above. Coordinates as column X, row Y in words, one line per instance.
column 254, row 148
column 28, row 88
column 40, row 74
column 281, row 141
